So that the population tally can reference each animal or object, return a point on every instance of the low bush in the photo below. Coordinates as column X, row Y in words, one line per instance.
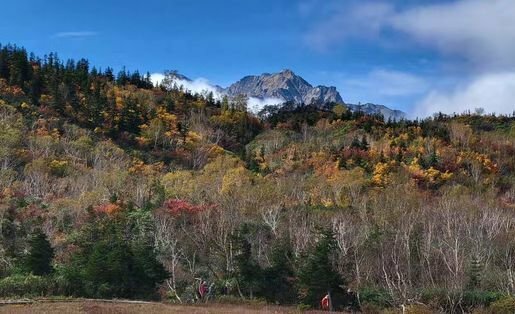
column 504, row 305
column 27, row 286
column 375, row 298
column 450, row 300
column 418, row 309
column 476, row 298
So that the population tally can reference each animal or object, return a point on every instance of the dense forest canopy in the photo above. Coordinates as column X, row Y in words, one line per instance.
column 112, row 187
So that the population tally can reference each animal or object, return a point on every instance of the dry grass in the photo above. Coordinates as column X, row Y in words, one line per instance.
column 96, row 307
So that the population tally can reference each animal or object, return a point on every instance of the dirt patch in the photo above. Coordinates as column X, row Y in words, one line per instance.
column 96, row 307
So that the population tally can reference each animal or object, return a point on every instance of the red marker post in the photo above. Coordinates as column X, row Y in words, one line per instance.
column 325, row 303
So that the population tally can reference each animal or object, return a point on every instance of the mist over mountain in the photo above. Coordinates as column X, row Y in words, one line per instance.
column 378, row 109
column 278, row 88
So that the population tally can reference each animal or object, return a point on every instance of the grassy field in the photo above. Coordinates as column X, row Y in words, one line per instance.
column 95, row 307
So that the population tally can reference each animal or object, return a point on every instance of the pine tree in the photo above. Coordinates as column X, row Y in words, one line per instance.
column 279, row 279
column 109, row 74
column 9, row 231
column 433, row 158
column 475, row 271
column 355, row 143
column 364, row 144
column 113, row 266
column 249, row 273
column 36, row 87
column 317, row 277
column 41, row 253
column 123, row 77
column 225, row 104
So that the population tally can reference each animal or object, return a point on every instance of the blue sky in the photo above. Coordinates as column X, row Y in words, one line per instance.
column 418, row 56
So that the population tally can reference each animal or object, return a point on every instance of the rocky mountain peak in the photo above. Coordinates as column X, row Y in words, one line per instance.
column 287, row 73
column 285, row 85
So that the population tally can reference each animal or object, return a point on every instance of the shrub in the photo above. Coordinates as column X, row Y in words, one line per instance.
column 27, row 286
column 370, row 308
column 303, row 307
column 375, row 298
column 477, row 298
column 505, row 305
column 234, row 300
column 418, row 309
column 469, row 299
column 58, row 168
column 434, row 297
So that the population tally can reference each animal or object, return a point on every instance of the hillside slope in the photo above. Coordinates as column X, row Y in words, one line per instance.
column 113, row 188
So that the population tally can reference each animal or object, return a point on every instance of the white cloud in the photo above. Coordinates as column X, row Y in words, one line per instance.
column 157, row 78
column 388, row 83
column 365, row 20
column 392, row 88
column 493, row 92
column 203, row 86
column 200, row 86
column 256, row 104
column 80, row 34
column 481, row 31
column 197, row 86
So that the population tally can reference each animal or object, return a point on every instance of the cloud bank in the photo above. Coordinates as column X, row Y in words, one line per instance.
column 388, row 83
column 256, row 104
column 203, row 86
column 157, row 78
column 198, row 86
column 482, row 31
column 81, row 34
column 365, row 20
column 493, row 92
column 479, row 33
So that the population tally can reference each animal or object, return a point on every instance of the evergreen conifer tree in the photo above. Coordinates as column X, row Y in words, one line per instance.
column 249, row 273
column 41, row 253
column 317, row 277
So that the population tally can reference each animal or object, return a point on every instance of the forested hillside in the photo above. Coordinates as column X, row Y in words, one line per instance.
column 111, row 187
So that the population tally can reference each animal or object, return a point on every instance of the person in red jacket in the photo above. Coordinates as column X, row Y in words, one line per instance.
column 325, row 303
column 202, row 289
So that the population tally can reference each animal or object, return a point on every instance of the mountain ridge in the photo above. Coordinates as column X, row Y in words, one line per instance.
column 286, row 86
column 386, row 112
